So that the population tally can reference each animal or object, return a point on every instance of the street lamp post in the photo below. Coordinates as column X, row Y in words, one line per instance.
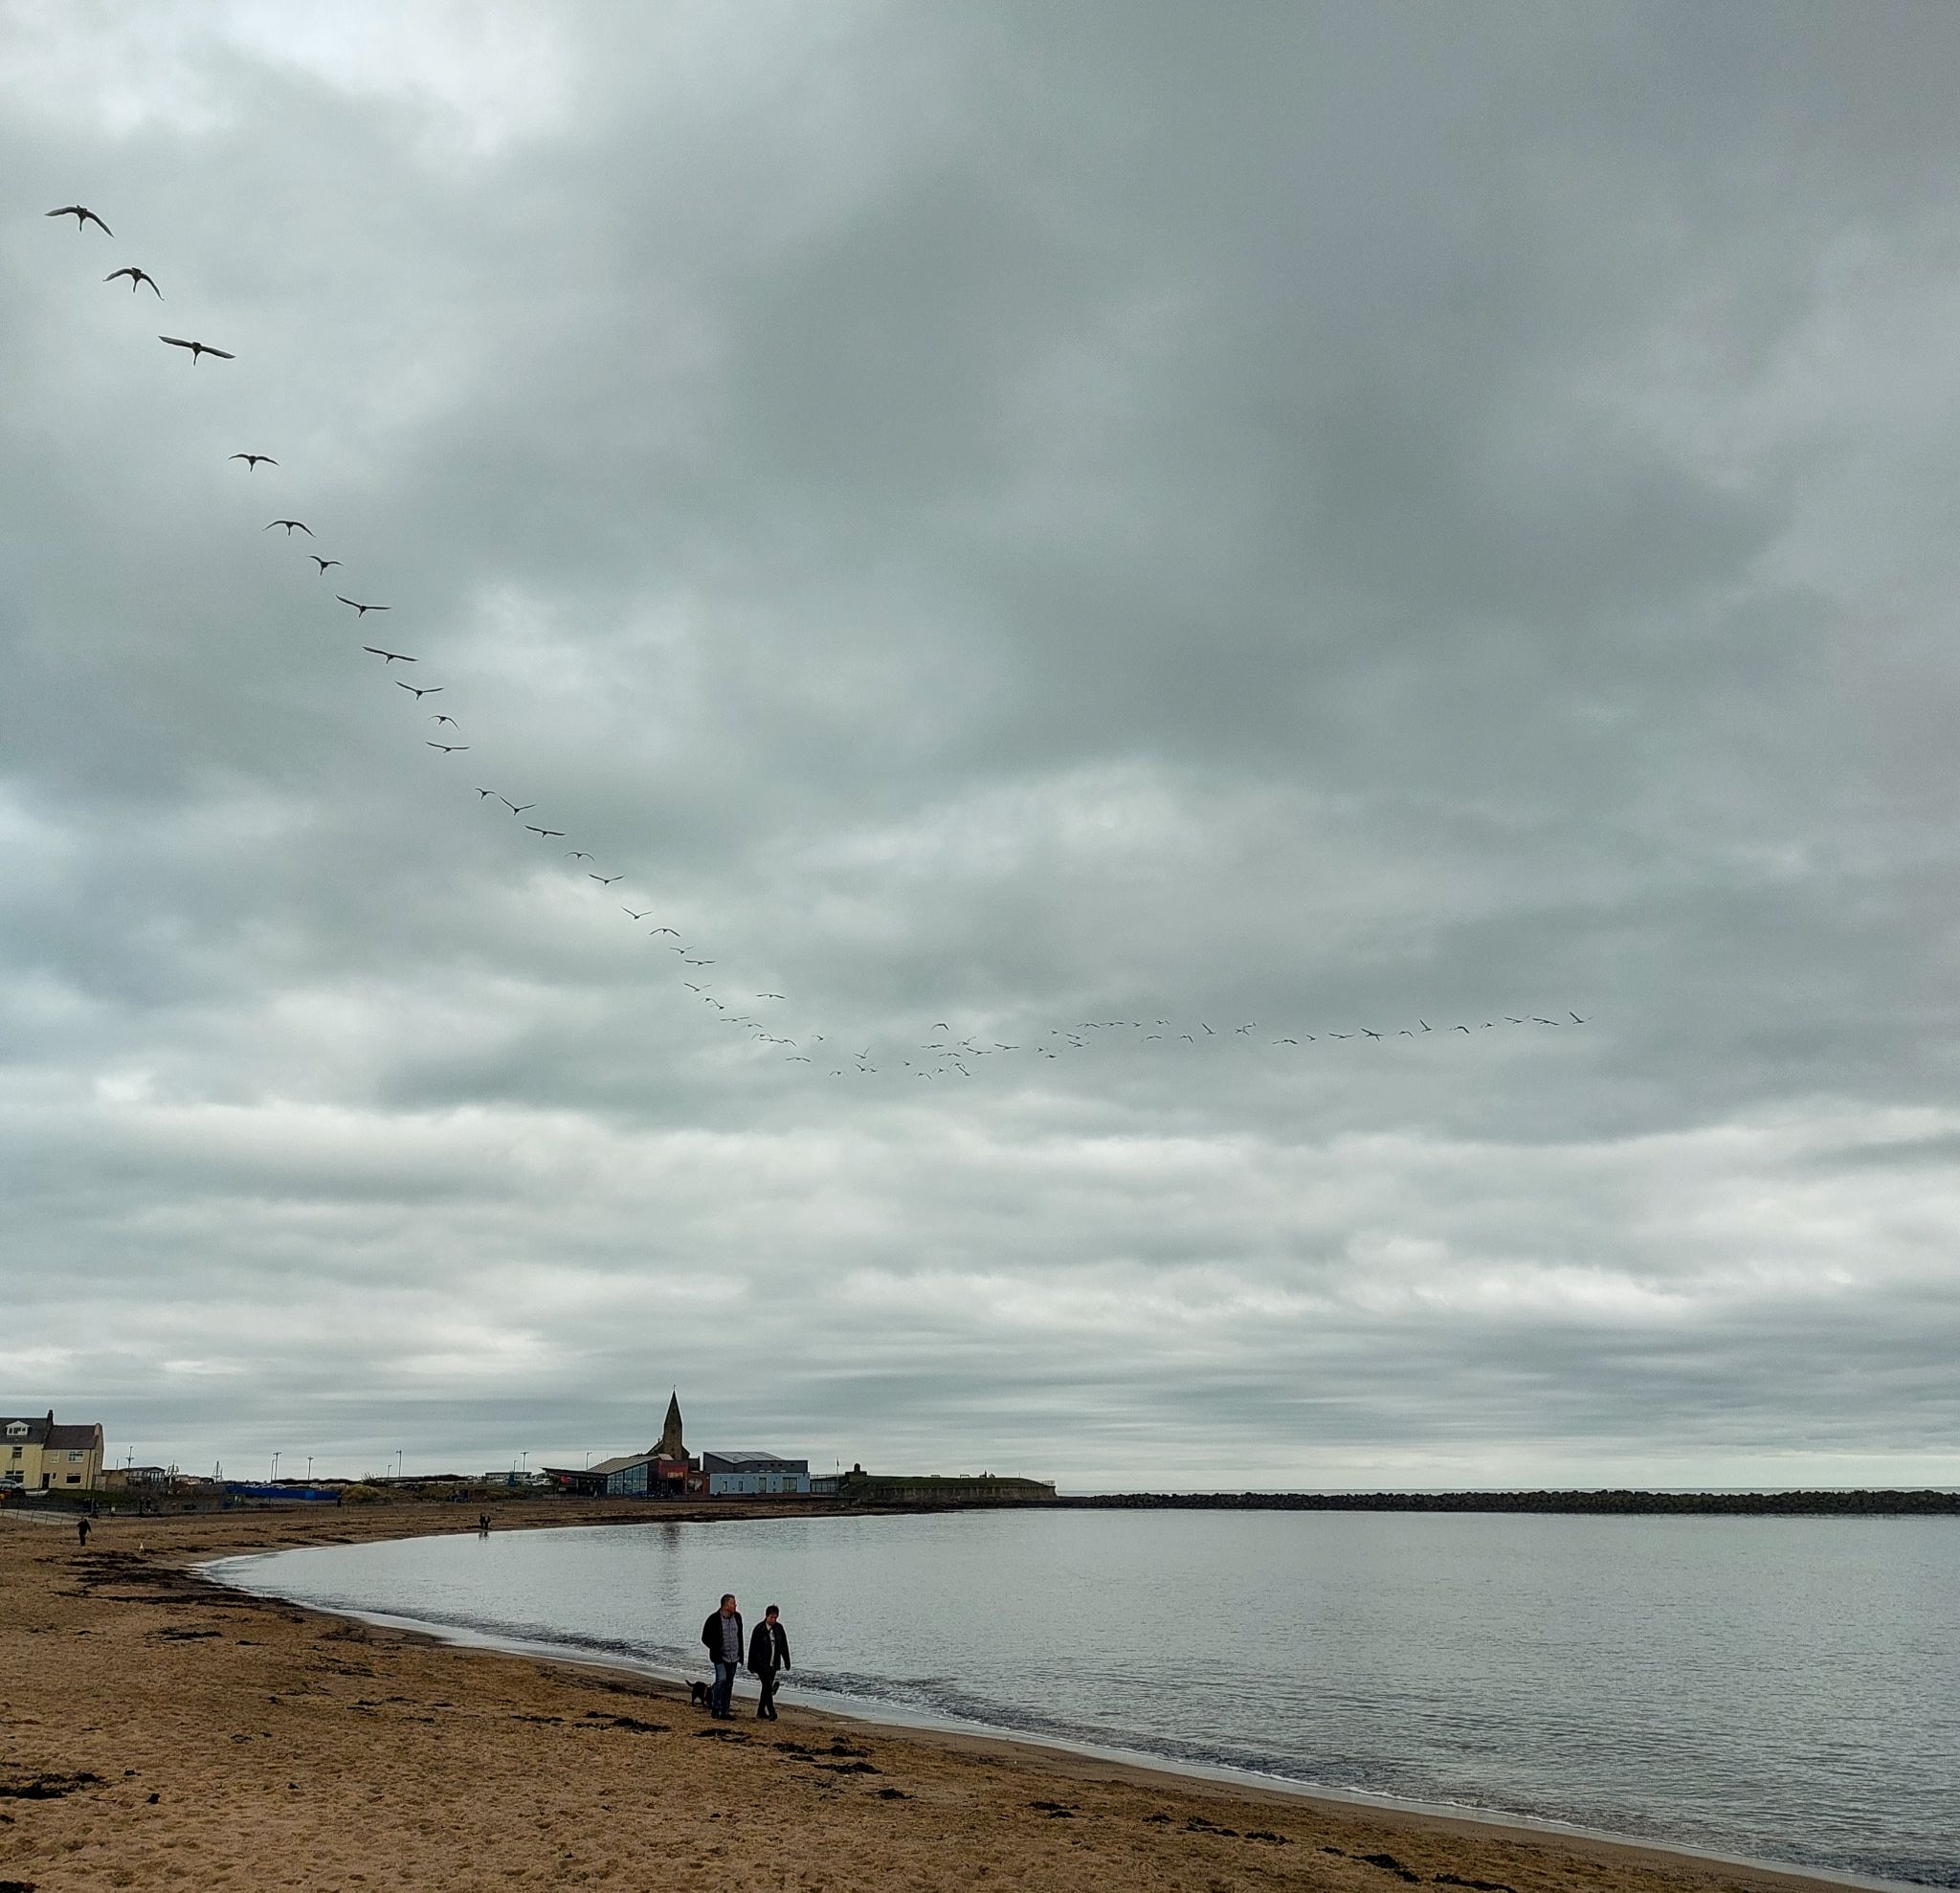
column 274, row 1478
column 309, row 1468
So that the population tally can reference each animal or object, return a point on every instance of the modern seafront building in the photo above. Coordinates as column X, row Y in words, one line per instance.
column 744, row 1475
column 668, row 1470
column 38, row 1455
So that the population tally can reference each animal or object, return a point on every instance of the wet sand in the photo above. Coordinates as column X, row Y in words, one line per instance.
column 156, row 1729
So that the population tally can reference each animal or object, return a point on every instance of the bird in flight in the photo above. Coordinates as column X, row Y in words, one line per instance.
column 426, row 690
column 514, row 808
column 362, row 610
column 450, row 721
column 659, row 931
column 550, row 834
column 135, row 276
column 697, row 963
column 290, row 525
column 252, row 461
column 632, row 915
column 390, row 657
column 578, row 854
column 769, row 995
column 484, row 794
column 198, row 349
column 447, row 748
column 605, row 880
column 322, row 564
column 82, row 214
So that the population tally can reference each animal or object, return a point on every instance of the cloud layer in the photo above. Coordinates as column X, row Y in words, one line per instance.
column 1313, row 518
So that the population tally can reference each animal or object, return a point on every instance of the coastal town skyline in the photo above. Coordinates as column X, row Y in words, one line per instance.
column 1155, row 752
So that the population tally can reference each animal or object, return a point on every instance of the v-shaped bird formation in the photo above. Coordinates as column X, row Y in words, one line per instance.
column 947, row 1053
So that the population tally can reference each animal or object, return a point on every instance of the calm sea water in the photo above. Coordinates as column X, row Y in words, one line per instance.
column 1782, row 1689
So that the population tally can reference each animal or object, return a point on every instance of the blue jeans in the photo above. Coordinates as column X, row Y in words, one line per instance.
column 725, row 1686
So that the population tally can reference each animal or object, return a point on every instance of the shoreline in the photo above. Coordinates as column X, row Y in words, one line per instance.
column 1156, row 1821
column 1136, row 1763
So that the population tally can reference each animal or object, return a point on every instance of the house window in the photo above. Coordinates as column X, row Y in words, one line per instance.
column 75, row 1479
column 74, row 1458
column 16, row 1453
column 16, row 1429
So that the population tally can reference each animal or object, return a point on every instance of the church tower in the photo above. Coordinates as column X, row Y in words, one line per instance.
column 672, row 1446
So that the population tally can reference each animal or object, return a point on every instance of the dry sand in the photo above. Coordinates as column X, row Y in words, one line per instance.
column 156, row 1729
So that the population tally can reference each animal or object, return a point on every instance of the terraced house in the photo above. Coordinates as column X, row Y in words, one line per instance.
column 37, row 1455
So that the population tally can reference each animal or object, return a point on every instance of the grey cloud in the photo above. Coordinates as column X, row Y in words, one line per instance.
column 1016, row 517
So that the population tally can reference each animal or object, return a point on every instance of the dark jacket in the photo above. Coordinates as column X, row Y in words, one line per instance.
column 711, row 1636
column 769, row 1649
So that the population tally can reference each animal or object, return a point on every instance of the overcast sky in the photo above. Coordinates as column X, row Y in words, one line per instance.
column 1316, row 518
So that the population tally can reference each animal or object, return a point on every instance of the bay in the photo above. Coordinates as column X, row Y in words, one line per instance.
column 1785, row 1690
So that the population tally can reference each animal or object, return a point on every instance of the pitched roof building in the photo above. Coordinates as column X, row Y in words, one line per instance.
column 38, row 1455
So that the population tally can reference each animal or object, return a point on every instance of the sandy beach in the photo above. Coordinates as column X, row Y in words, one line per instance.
column 160, row 1729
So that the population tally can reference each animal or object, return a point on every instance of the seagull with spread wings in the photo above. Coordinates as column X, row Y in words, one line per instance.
column 426, row 690
column 135, row 276
column 82, row 214
column 390, row 656
column 198, row 349
column 322, row 564
column 291, row 527
column 362, row 610
column 253, row 462
column 448, row 749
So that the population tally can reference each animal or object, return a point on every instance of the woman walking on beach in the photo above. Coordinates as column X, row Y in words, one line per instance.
column 768, row 1651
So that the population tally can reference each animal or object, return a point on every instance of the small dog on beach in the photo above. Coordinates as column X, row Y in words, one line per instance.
column 698, row 1695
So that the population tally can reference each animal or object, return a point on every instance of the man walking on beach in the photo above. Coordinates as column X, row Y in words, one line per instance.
column 722, row 1637
column 81, row 1529
column 768, row 1651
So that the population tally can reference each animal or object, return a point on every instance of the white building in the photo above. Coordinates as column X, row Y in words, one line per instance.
column 753, row 1475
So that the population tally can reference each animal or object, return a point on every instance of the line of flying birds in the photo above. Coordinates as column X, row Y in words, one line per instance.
column 952, row 1055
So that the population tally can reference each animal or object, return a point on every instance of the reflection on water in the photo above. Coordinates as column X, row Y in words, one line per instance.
column 1785, row 1689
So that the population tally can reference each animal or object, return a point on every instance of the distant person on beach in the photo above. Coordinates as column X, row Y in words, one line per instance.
column 722, row 1637
column 768, row 1651
column 81, row 1529
column 483, row 1525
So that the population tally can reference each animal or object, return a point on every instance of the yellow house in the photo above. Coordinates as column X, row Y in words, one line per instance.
column 37, row 1455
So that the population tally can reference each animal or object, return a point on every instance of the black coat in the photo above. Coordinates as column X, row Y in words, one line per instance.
column 711, row 1636
column 769, row 1649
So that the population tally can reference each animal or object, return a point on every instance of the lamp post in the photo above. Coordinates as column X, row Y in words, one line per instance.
column 398, row 1458
column 309, row 1468
column 274, row 1478
column 528, row 1461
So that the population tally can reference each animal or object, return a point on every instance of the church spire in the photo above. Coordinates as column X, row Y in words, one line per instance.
column 672, row 1446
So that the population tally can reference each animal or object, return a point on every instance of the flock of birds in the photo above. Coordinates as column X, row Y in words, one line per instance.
column 949, row 1054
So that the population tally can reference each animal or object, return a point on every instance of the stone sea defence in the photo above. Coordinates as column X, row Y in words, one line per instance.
column 1923, row 1503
